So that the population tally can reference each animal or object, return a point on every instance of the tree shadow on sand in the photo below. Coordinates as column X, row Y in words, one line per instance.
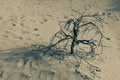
column 34, row 57
column 36, row 52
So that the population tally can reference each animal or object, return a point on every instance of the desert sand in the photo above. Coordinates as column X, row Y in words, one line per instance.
column 33, row 22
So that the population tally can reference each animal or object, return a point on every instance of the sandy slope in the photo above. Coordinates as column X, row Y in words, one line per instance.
column 26, row 22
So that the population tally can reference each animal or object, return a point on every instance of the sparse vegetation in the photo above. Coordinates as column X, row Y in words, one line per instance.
column 81, row 38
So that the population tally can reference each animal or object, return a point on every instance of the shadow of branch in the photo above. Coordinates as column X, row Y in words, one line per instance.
column 36, row 52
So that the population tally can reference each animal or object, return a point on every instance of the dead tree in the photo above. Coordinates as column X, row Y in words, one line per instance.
column 86, row 30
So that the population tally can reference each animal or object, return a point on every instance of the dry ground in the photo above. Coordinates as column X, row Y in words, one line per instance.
column 30, row 22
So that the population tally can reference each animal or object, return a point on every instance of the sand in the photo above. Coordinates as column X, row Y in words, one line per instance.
column 30, row 22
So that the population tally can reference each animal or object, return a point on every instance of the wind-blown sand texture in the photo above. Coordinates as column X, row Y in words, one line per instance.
column 30, row 22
